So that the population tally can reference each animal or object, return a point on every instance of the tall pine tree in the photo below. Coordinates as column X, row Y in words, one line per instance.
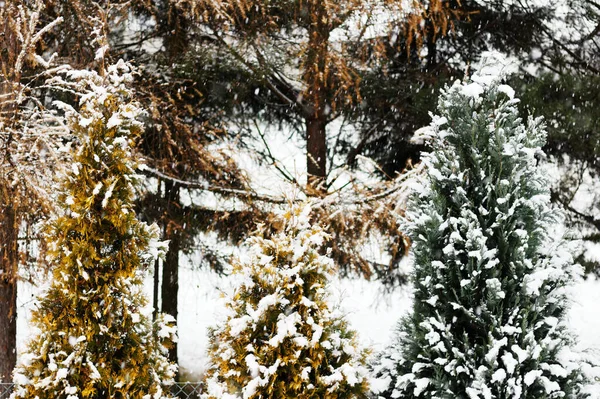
column 94, row 339
column 281, row 338
column 488, row 278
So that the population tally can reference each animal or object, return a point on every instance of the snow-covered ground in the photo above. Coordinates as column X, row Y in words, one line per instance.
column 370, row 311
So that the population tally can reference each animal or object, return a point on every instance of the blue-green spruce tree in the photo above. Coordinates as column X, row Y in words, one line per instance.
column 489, row 278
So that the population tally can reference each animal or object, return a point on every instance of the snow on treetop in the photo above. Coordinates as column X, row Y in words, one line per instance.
column 493, row 67
column 297, row 216
column 94, row 89
column 279, row 322
column 491, row 70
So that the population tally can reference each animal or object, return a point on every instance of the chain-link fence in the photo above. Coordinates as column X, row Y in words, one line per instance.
column 5, row 390
column 181, row 390
column 186, row 390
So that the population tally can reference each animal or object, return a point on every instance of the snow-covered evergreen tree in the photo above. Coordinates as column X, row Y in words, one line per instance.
column 489, row 278
column 94, row 339
column 281, row 338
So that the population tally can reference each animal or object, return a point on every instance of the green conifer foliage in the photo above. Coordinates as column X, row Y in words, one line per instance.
column 94, row 341
column 489, row 277
column 281, row 339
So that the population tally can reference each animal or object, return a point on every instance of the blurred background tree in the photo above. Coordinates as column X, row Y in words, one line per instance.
column 30, row 141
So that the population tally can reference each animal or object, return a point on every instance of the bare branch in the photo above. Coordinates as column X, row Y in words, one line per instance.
column 214, row 189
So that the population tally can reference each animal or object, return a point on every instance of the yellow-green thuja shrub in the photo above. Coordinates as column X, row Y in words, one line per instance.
column 93, row 338
column 281, row 338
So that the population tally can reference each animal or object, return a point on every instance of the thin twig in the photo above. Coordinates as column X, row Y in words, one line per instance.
column 274, row 162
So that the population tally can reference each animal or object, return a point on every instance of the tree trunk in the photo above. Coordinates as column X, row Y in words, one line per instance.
column 316, row 151
column 431, row 43
column 155, row 287
column 9, row 255
column 317, row 78
column 8, row 286
column 170, row 283
column 170, row 272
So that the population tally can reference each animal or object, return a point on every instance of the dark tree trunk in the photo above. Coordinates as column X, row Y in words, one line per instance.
column 9, row 258
column 8, row 287
column 158, row 200
column 317, row 78
column 155, row 286
column 316, row 151
column 170, row 272
column 170, row 283
column 171, row 19
column 431, row 44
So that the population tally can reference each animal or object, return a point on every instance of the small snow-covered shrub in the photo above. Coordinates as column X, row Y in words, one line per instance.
column 281, row 339
column 94, row 340
column 489, row 276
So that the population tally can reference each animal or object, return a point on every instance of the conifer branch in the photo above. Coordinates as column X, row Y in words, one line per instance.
column 263, row 77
